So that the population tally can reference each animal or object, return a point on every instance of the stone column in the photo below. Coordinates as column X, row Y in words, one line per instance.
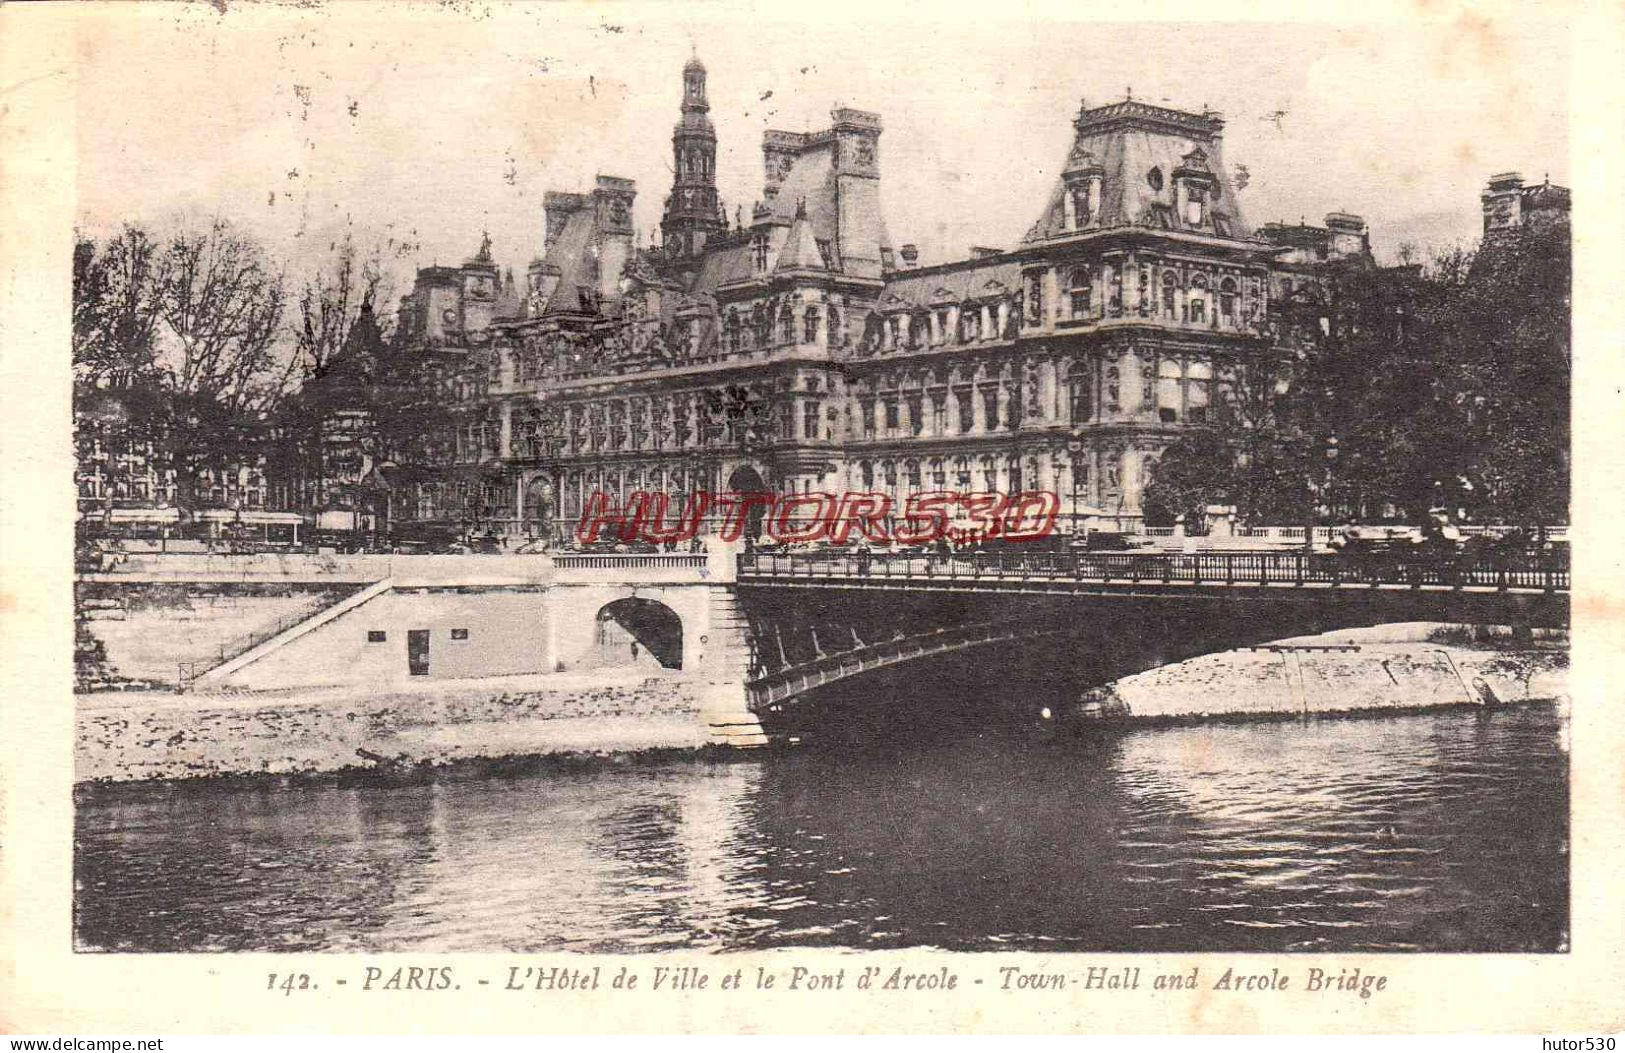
column 505, row 436
column 1004, row 404
column 990, row 319
column 1003, row 319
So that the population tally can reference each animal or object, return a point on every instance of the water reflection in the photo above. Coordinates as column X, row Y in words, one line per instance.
column 1435, row 832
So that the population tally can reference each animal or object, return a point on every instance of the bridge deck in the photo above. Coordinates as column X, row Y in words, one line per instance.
column 1116, row 572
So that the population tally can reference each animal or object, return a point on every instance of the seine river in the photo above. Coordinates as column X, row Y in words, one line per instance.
column 1443, row 831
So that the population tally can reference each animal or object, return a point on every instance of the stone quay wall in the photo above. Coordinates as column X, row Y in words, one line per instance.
column 124, row 736
column 1329, row 676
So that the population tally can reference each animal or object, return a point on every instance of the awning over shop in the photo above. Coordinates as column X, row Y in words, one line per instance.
column 144, row 515
column 250, row 518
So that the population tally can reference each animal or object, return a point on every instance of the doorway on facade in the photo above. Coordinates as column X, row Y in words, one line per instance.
column 538, row 511
column 417, row 652
column 747, row 480
column 639, row 632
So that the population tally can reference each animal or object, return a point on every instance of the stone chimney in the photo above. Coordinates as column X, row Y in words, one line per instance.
column 1503, row 202
column 1346, row 236
column 612, row 206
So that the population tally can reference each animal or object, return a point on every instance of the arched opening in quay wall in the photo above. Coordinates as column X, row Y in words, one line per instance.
column 632, row 632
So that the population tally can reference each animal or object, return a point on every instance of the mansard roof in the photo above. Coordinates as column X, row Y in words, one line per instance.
column 810, row 185
column 1138, row 149
column 958, row 282
column 576, row 267
column 800, row 252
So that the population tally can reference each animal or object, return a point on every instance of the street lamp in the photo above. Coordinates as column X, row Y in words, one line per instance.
column 1074, row 447
column 1330, row 454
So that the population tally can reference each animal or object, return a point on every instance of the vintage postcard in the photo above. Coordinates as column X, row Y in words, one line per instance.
column 835, row 517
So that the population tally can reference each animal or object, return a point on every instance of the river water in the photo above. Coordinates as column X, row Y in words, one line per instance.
column 1439, row 831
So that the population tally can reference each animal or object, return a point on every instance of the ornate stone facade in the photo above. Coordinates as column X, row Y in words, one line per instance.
column 796, row 352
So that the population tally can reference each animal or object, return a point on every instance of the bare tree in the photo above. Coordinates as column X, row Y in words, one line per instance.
column 223, row 305
column 329, row 307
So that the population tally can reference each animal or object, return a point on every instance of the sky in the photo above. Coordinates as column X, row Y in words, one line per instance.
column 417, row 127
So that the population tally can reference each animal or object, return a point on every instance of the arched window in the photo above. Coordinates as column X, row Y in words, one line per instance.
column 1170, row 288
column 837, row 335
column 730, row 331
column 1081, row 292
column 1082, row 392
column 868, row 473
column 1114, row 389
column 911, row 474
column 1012, row 469
column 787, row 323
column 809, row 326
column 1227, row 301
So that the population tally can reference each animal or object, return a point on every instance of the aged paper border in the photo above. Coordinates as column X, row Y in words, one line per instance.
column 46, row 988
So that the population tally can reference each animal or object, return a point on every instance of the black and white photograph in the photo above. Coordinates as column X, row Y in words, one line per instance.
column 623, row 479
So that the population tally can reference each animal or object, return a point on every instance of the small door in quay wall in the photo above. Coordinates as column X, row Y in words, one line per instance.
column 417, row 651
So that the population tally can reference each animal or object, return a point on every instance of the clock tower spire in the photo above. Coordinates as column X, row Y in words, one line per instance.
column 691, row 211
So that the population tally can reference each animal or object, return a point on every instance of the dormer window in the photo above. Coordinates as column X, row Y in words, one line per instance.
column 1080, row 206
column 759, row 248
column 1195, row 205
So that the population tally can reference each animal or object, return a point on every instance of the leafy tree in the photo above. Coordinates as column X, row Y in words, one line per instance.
column 1395, row 389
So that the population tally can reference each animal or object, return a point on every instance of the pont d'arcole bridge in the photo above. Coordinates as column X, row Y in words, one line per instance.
column 822, row 618
column 747, row 637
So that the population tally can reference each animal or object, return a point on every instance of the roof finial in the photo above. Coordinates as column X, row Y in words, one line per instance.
column 1128, row 92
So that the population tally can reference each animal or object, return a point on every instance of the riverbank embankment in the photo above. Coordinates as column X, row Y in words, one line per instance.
column 157, row 735
column 133, row 735
column 1409, row 666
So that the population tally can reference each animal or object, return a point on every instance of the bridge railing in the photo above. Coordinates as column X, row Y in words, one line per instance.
column 630, row 561
column 1547, row 571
